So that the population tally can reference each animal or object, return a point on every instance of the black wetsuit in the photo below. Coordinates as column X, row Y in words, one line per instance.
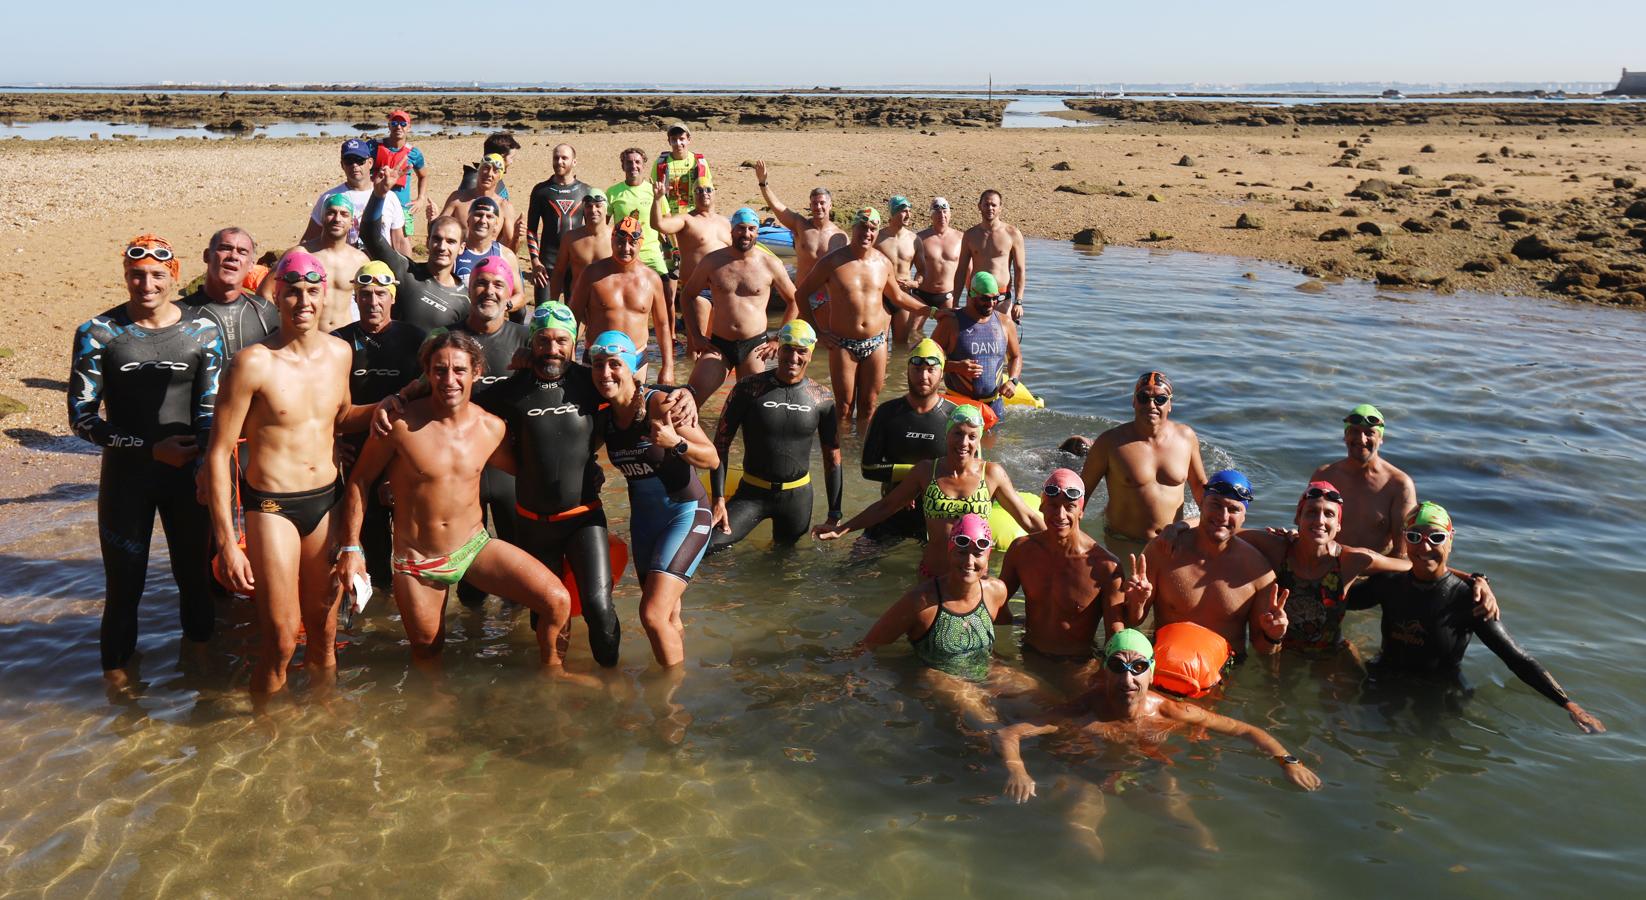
column 552, row 425
column 554, row 210
column 496, row 486
column 1427, row 626
column 248, row 320
column 419, row 300
column 383, row 364
column 899, row 437
column 779, row 422
column 151, row 385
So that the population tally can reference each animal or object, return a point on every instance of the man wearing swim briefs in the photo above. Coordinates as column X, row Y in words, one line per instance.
column 695, row 234
column 1377, row 496
column 288, row 396
column 551, row 413
column 384, row 360
column 634, row 196
column 428, row 295
column 556, row 207
column 981, row 343
column 582, row 245
column 897, row 242
column 357, row 187
column 904, row 431
column 1209, row 577
column 995, row 247
column 855, row 322
column 1145, row 463
column 434, row 456
column 936, row 257
column 143, row 386
column 505, row 227
column 241, row 316
column 341, row 259
column 622, row 293
column 1068, row 580
column 739, row 280
column 815, row 234
column 779, row 412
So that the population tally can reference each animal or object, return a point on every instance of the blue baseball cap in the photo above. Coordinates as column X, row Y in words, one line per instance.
column 357, row 148
column 745, row 216
column 618, row 344
column 1230, row 483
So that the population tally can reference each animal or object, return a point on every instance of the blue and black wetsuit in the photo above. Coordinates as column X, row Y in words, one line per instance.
column 383, row 363
column 669, row 513
column 553, row 427
column 496, row 486
column 983, row 342
column 419, row 299
column 779, row 422
column 898, row 438
column 129, row 388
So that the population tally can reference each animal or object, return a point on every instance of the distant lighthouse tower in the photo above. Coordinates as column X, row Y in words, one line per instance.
column 1633, row 83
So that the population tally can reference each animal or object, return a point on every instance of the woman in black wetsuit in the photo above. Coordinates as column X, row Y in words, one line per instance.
column 143, row 386
column 1428, row 617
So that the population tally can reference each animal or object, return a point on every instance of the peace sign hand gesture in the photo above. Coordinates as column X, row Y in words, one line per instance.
column 1138, row 590
column 1273, row 619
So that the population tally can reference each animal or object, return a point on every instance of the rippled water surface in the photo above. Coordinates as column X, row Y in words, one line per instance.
column 782, row 764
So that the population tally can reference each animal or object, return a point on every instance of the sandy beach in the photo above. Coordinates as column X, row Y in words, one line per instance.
column 1542, row 211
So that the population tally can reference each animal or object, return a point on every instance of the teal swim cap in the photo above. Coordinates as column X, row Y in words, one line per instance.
column 1129, row 639
column 745, row 216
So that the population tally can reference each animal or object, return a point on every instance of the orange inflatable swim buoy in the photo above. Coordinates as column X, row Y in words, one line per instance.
column 989, row 417
column 620, row 561
column 1189, row 659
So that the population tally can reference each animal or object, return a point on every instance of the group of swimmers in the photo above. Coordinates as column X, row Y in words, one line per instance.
column 301, row 448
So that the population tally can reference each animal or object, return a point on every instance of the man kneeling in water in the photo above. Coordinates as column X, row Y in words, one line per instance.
column 434, row 455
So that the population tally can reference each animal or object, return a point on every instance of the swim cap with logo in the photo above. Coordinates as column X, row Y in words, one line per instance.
column 928, row 349
column 1129, row 639
column 495, row 160
column 484, row 203
column 152, row 242
column 964, row 414
column 630, row 225
column 984, row 284
column 495, row 265
column 1429, row 514
column 555, row 315
column 1152, row 379
column 897, row 204
column 868, row 215
column 745, row 216
column 618, row 344
column 378, row 269
column 797, row 333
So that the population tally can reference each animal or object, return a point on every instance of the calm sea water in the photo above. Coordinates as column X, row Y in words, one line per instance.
column 782, row 764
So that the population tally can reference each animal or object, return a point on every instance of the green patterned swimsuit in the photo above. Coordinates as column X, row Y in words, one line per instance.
column 961, row 645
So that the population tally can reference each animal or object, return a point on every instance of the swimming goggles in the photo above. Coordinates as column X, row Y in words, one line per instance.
column 138, row 251
column 1436, row 538
column 1364, row 421
column 1121, row 666
column 617, row 350
column 967, row 542
column 930, row 361
column 1156, row 399
column 1227, row 489
column 292, row 276
column 382, row 278
column 1317, row 493
column 1068, row 493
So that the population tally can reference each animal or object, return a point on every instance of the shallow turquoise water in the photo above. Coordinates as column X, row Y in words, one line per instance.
column 785, row 765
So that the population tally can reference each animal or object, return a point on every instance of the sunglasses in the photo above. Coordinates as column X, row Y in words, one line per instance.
column 311, row 276
column 401, row 122
column 1365, row 421
column 1226, row 489
column 1122, row 667
column 1070, row 494
column 967, row 542
column 1156, row 399
column 355, row 160
column 364, row 280
column 930, row 361
column 1317, row 493
column 1435, row 538
column 138, row 251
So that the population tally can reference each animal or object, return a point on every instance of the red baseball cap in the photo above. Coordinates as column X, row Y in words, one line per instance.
column 400, row 114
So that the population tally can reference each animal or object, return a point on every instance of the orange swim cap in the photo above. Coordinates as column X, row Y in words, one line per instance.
column 145, row 247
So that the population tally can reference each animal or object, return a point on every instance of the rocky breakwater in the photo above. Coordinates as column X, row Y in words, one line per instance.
column 1180, row 112
column 232, row 112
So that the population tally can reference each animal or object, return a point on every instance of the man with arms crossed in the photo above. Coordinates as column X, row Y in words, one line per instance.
column 1377, row 497
column 739, row 279
column 897, row 241
column 997, row 248
column 936, row 257
column 621, row 292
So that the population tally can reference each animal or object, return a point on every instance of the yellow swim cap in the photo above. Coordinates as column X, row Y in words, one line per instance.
column 376, row 272
column 928, row 349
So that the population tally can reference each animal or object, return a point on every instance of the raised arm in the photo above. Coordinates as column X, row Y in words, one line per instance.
column 790, row 219
column 662, row 220
column 371, row 226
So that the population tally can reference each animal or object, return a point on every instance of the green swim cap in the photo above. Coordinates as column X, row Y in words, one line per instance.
column 1429, row 514
column 1129, row 639
column 897, row 204
column 964, row 414
column 984, row 284
column 1366, row 414
column 553, row 314
column 340, row 201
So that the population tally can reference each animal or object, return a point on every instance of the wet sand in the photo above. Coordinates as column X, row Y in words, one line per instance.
column 1563, row 195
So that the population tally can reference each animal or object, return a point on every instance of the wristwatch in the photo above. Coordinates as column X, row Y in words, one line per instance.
column 680, row 448
column 1286, row 759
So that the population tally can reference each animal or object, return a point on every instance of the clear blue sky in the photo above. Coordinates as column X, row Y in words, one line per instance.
column 715, row 42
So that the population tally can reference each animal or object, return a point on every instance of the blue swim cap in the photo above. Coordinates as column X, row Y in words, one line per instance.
column 1230, row 483
column 618, row 344
column 745, row 216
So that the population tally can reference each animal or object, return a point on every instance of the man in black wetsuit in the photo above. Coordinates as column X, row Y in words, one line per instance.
column 556, row 207
column 153, row 368
column 905, row 431
column 385, row 360
column 1429, row 616
column 491, row 284
column 240, row 315
column 428, row 295
column 779, row 411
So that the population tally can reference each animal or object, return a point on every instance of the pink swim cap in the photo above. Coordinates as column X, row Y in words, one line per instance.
column 497, row 265
column 973, row 526
column 300, row 261
column 1065, row 479
column 1324, row 490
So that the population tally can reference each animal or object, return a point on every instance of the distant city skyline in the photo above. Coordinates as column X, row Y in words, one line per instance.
column 715, row 42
